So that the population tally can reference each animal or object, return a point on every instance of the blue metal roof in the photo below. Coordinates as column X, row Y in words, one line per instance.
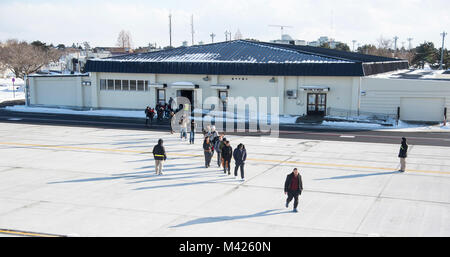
column 242, row 57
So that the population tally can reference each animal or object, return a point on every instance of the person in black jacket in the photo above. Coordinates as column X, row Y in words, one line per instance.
column 208, row 150
column 159, row 153
column 293, row 187
column 239, row 155
column 403, row 154
column 227, row 154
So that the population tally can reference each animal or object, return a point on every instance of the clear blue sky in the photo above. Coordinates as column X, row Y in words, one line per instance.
column 99, row 22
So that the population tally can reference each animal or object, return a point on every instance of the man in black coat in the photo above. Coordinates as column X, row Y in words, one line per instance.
column 403, row 154
column 293, row 187
column 227, row 154
column 239, row 155
column 159, row 154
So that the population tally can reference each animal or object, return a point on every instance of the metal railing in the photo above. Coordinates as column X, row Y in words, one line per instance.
column 360, row 116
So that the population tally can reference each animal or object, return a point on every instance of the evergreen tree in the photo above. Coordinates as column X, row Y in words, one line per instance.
column 425, row 53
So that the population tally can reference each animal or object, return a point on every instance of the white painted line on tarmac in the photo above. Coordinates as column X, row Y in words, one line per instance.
column 345, row 136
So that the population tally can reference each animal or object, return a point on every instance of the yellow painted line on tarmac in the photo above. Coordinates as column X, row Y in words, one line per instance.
column 249, row 159
column 21, row 233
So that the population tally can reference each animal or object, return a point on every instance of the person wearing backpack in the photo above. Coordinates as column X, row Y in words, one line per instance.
column 159, row 154
column 403, row 153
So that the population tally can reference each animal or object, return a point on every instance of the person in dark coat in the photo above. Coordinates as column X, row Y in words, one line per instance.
column 208, row 150
column 403, row 154
column 239, row 155
column 293, row 187
column 159, row 154
column 218, row 149
column 227, row 154
column 147, row 115
column 192, row 132
column 171, row 121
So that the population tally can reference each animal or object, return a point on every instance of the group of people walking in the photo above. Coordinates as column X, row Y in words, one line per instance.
column 217, row 143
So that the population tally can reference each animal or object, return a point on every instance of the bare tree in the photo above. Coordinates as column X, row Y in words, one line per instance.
column 385, row 47
column 124, row 39
column 23, row 58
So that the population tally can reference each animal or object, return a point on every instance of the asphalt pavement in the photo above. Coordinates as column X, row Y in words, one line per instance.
column 309, row 132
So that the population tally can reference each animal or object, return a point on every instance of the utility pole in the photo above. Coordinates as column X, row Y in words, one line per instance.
column 395, row 45
column 170, row 29
column 443, row 34
column 192, row 28
column 212, row 35
column 226, row 35
column 354, row 42
column 410, row 39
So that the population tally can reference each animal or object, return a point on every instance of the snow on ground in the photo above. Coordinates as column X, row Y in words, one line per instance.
column 284, row 119
column 109, row 113
column 7, row 91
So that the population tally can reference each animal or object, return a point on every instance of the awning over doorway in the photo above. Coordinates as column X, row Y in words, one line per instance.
column 184, row 85
column 316, row 88
column 224, row 87
column 157, row 85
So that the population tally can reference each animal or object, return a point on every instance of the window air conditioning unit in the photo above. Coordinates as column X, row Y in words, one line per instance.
column 291, row 94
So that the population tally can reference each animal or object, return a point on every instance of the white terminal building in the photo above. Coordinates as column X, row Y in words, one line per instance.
column 307, row 81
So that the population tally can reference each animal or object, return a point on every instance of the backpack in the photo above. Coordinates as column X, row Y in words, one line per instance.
column 215, row 139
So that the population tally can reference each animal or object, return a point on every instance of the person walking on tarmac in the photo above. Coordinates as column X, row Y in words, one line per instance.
column 171, row 120
column 218, row 149
column 403, row 154
column 208, row 150
column 293, row 187
column 227, row 154
column 183, row 127
column 159, row 154
column 192, row 132
column 239, row 155
column 147, row 115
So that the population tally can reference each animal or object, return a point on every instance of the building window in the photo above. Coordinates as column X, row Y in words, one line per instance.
column 146, row 85
column 103, row 84
column 161, row 96
column 118, row 85
column 110, row 84
column 133, row 85
column 140, row 85
column 125, row 85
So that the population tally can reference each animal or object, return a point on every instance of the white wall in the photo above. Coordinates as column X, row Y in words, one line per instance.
column 385, row 95
column 68, row 91
column 56, row 91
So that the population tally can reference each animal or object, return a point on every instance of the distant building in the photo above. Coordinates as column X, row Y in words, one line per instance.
column 324, row 40
column 288, row 40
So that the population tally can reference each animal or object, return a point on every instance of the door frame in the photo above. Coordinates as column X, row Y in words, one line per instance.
column 316, row 105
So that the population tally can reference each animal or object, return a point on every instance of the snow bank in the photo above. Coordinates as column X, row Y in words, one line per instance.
column 109, row 113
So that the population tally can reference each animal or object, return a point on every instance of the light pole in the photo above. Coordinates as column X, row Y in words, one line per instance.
column 443, row 34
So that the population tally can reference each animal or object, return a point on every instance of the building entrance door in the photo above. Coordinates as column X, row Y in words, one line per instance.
column 189, row 94
column 317, row 104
